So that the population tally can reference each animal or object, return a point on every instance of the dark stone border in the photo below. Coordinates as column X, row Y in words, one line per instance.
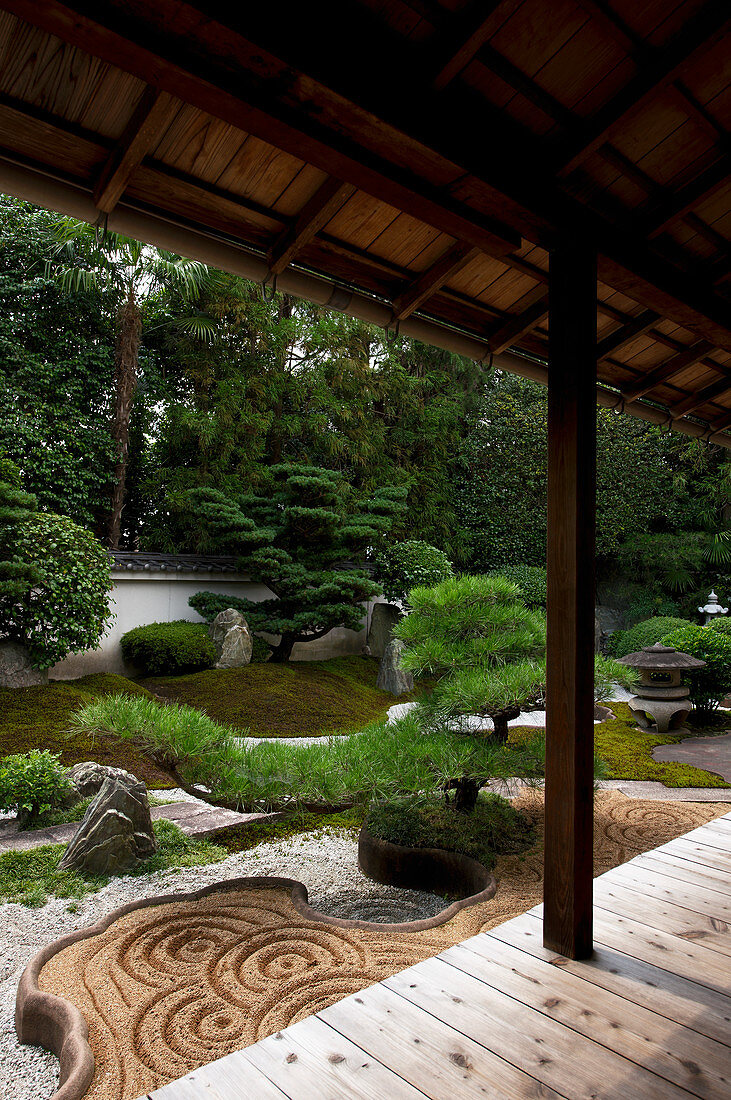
column 45, row 1020
column 432, row 869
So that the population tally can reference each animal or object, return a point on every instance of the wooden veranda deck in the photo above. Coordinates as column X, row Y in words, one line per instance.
column 498, row 1015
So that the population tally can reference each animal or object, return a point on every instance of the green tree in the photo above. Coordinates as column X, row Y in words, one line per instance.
column 56, row 361
column 129, row 276
column 296, row 535
column 18, row 576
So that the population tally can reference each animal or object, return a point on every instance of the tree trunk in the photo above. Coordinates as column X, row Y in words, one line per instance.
column 126, row 359
column 465, row 795
column 282, row 652
column 500, row 721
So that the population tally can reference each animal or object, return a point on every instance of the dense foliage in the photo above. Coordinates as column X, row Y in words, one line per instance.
column 648, row 632
column 17, row 575
column 401, row 566
column 32, row 783
column 709, row 685
column 532, row 582
column 68, row 611
column 169, row 648
column 295, row 535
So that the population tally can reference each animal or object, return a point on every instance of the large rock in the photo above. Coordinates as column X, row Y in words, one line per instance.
column 88, row 778
column 391, row 676
column 16, row 670
column 232, row 639
column 116, row 833
column 383, row 619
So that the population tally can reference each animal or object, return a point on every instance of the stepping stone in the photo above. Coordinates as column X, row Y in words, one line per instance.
column 713, row 754
column 195, row 819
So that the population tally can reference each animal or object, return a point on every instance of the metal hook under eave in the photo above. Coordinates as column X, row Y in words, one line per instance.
column 488, row 355
column 618, row 409
column 101, row 228
column 264, row 282
column 393, row 329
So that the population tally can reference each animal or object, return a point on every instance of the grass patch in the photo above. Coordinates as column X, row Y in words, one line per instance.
column 627, row 752
column 30, row 877
column 40, row 718
column 245, row 837
column 298, row 699
column 494, row 828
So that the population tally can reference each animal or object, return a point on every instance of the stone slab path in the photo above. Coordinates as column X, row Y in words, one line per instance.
column 713, row 754
column 194, row 818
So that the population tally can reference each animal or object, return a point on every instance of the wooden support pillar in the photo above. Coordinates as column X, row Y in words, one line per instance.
column 567, row 920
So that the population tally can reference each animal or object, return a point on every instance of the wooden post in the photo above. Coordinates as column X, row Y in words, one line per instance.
column 567, row 920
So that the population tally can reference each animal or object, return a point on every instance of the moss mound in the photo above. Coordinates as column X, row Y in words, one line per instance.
column 39, row 717
column 299, row 699
column 494, row 828
column 627, row 751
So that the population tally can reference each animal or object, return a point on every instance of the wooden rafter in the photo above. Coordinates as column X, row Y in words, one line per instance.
column 628, row 331
column 509, row 331
column 702, row 397
column 143, row 129
column 675, row 206
column 689, row 46
column 698, row 111
column 613, row 25
column 465, row 35
column 677, row 363
column 429, row 281
column 315, row 214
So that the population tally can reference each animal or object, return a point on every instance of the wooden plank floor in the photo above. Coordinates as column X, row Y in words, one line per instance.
column 649, row 1016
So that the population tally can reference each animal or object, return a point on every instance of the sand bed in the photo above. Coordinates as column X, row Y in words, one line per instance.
column 165, row 989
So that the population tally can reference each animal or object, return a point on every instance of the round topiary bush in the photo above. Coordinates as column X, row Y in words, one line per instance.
column 68, row 610
column 401, row 566
column 709, row 685
column 723, row 626
column 161, row 649
column 622, row 642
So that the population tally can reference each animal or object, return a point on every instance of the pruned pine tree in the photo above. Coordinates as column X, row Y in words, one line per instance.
column 17, row 576
column 483, row 652
column 304, row 534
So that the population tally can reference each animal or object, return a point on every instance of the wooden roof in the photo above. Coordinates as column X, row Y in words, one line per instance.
column 423, row 153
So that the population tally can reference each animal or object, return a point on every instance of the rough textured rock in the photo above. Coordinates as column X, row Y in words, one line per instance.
column 116, row 833
column 232, row 638
column 391, row 677
column 88, row 778
column 383, row 619
column 16, row 670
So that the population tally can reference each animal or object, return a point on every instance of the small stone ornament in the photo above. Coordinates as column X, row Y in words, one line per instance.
column 713, row 608
column 663, row 702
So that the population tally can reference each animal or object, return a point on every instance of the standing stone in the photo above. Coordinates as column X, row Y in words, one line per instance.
column 383, row 619
column 16, row 670
column 391, row 676
column 87, row 778
column 116, row 833
column 232, row 639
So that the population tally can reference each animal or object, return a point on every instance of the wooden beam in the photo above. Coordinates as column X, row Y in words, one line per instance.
column 633, row 328
column 510, row 331
column 677, row 363
column 429, row 281
column 698, row 111
column 569, row 798
column 460, row 40
column 701, row 397
column 148, row 121
column 675, row 206
column 314, row 215
column 614, row 26
column 688, row 47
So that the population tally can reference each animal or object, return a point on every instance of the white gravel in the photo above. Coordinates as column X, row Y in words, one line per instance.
column 326, row 862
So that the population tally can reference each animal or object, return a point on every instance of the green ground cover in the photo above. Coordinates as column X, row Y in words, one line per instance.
column 627, row 752
column 40, row 718
column 30, row 877
column 298, row 699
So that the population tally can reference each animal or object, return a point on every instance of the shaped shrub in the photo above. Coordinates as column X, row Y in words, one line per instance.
column 532, row 582
column 169, row 648
column 32, row 783
column 622, row 642
column 401, row 566
column 709, row 685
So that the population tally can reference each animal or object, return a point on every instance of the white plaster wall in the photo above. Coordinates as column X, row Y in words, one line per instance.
column 141, row 598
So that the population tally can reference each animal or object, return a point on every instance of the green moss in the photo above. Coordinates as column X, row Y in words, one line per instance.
column 494, row 828
column 299, row 699
column 627, row 751
column 39, row 717
column 249, row 836
column 30, row 877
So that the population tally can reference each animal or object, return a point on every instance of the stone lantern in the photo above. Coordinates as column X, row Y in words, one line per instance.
column 662, row 699
column 712, row 608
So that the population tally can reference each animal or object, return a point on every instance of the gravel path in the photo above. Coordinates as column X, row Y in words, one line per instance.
column 325, row 861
